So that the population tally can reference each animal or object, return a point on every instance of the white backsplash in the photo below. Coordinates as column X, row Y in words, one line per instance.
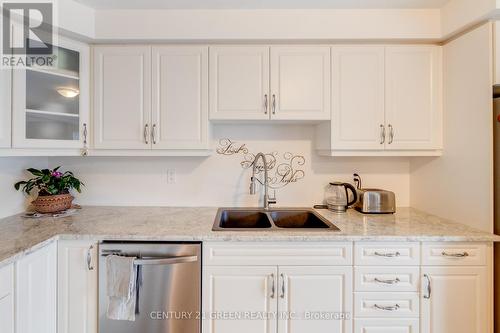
column 219, row 180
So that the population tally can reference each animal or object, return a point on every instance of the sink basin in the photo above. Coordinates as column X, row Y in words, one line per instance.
column 297, row 219
column 240, row 219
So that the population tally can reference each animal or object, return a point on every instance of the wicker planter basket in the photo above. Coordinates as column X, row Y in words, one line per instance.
column 52, row 203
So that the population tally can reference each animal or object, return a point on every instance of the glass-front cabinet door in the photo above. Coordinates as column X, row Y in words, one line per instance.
column 51, row 103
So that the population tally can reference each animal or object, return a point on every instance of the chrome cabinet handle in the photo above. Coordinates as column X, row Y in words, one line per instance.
column 274, row 104
column 394, row 281
column 382, row 134
column 391, row 134
column 146, row 134
column 388, row 255
column 386, row 308
column 282, row 285
column 89, row 258
column 265, row 104
column 273, row 290
column 153, row 134
column 429, row 290
column 455, row 255
column 85, row 151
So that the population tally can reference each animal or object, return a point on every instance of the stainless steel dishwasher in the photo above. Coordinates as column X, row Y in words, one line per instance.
column 169, row 298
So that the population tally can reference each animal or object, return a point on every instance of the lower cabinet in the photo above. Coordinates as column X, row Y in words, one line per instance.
column 7, row 299
column 455, row 300
column 77, row 287
column 384, row 325
column 283, row 299
column 315, row 299
column 36, row 291
column 233, row 294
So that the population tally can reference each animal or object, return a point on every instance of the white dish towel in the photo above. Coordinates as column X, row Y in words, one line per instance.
column 121, row 276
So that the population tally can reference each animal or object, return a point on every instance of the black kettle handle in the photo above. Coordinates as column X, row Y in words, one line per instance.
column 354, row 194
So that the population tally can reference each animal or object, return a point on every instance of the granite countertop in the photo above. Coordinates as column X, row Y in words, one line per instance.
column 19, row 235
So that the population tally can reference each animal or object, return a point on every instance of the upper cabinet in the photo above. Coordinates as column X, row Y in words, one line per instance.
column 5, row 108
column 413, row 96
column 358, row 114
column 150, row 98
column 180, row 97
column 50, row 104
column 122, row 97
column 258, row 82
column 239, row 82
column 386, row 101
column 300, row 83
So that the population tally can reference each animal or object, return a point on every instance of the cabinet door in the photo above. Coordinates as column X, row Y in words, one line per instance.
column 386, row 325
column 180, row 97
column 239, row 82
column 51, row 103
column 358, row 114
column 459, row 300
column 7, row 299
column 234, row 291
column 300, row 83
column 122, row 97
column 36, row 290
column 310, row 292
column 77, row 287
column 413, row 97
column 5, row 108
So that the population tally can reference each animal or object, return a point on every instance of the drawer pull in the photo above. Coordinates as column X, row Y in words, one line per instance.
column 394, row 281
column 388, row 255
column 386, row 308
column 455, row 255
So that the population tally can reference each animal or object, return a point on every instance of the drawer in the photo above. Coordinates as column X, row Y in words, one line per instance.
column 286, row 253
column 379, row 278
column 455, row 254
column 374, row 325
column 6, row 280
column 386, row 305
column 387, row 253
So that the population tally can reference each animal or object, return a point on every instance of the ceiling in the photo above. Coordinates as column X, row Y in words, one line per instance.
column 260, row 4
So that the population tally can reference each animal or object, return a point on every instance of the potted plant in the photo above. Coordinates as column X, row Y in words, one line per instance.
column 53, row 189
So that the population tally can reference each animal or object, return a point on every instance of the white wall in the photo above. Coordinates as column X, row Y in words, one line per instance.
column 261, row 24
column 220, row 180
column 12, row 171
column 459, row 185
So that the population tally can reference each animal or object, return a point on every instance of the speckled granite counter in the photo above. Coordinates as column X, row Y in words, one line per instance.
column 19, row 236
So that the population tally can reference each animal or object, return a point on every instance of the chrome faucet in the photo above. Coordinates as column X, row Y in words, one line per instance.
column 267, row 199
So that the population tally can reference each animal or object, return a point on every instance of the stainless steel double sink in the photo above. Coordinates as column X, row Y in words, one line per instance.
column 240, row 219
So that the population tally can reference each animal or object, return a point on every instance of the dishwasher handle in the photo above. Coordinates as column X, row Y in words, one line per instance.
column 165, row 261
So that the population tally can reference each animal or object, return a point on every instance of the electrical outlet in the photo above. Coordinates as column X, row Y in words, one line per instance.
column 171, row 179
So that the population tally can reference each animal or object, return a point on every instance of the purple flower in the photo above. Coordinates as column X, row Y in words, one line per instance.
column 56, row 174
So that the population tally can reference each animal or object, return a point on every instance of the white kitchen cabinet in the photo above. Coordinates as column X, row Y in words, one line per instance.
column 455, row 300
column 180, row 97
column 310, row 292
column 5, row 108
column 358, row 114
column 50, row 105
column 413, row 97
column 36, row 291
column 122, row 97
column 387, row 101
column 231, row 292
column 77, row 287
column 239, row 82
column 300, row 83
column 7, row 299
